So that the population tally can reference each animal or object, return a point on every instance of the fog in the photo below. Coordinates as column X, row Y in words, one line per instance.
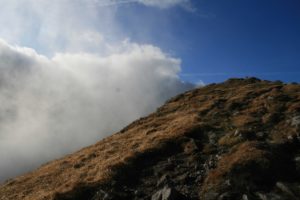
column 69, row 76
column 53, row 106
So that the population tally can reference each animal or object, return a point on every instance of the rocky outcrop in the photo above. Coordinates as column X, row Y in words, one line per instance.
column 235, row 140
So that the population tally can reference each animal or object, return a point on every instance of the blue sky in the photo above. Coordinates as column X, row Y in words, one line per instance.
column 214, row 39
column 224, row 39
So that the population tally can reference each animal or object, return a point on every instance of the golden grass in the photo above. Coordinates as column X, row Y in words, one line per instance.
column 226, row 107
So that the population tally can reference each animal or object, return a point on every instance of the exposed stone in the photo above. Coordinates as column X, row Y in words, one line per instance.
column 212, row 137
column 290, row 137
column 261, row 196
column 211, row 195
column 163, row 180
column 270, row 98
column 295, row 121
column 236, row 133
column 137, row 193
column 102, row 194
column 285, row 189
column 225, row 196
column 227, row 182
column 168, row 193
column 260, row 134
column 244, row 197
column 183, row 178
column 273, row 196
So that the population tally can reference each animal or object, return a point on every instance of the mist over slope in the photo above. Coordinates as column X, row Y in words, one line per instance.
column 235, row 140
column 52, row 106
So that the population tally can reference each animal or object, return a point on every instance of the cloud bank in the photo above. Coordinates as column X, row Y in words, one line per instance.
column 154, row 3
column 68, row 25
column 85, row 83
column 164, row 3
column 50, row 107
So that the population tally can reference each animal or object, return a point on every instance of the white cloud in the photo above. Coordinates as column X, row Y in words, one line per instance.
column 50, row 107
column 164, row 3
column 67, row 25
column 153, row 3
column 59, row 25
column 85, row 84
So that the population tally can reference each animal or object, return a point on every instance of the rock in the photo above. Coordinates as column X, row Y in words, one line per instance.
column 157, row 196
column 168, row 193
column 236, row 133
column 289, row 137
column 210, row 163
column 273, row 196
column 183, row 178
column 211, row 195
column 163, row 180
column 270, row 98
column 212, row 137
column 137, row 193
column 101, row 194
column 236, row 113
column 224, row 196
column 262, row 196
column 199, row 179
column 260, row 135
column 244, row 197
column 297, row 159
column 284, row 189
column 295, row 121
column 227, row 182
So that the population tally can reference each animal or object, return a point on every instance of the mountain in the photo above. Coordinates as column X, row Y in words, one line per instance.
column 236, row 140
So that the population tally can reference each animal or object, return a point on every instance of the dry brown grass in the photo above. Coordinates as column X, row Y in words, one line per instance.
column 229, row 140
column 236, row 167
column 241, row 155
column 232, row 105
column 93, row 165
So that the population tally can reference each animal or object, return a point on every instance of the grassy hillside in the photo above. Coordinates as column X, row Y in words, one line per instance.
column 239, row 138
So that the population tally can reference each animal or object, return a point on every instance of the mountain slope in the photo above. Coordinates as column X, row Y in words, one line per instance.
column 235, row 140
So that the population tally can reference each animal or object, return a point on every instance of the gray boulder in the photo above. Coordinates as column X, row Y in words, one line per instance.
column 168, row 193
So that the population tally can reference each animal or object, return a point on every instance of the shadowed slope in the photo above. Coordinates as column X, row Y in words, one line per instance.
column 241, row 135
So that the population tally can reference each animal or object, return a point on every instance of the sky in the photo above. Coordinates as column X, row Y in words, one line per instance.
column 75, row 71
column 215, row 40
column 224, row 39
